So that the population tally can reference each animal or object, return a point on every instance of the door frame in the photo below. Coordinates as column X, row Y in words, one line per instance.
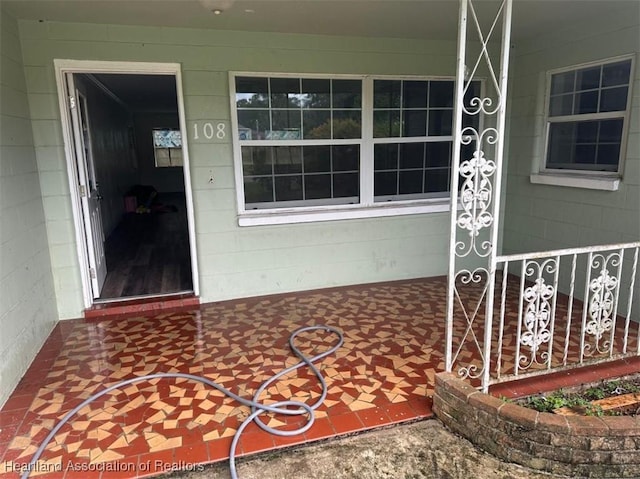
column 62, row 67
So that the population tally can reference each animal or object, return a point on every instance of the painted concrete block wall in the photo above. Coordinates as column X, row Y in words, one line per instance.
column 27, row 301
column 233, row 261
column 541, row 217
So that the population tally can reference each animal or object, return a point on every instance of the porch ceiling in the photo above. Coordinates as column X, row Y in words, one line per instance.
column 419, row 19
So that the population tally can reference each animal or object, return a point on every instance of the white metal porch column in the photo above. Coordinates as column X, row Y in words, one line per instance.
column 475, row 189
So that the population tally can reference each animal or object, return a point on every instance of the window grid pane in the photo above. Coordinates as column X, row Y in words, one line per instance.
column 410, row 108
column 598, row 89
column 277, row 175
column 588, row 138
column 298, row 108
column 585, row 145
column 410, row 169
column 422, row 109
column 415, row 116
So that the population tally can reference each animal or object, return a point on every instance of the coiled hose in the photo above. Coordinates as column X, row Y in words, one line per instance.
column 257, row 407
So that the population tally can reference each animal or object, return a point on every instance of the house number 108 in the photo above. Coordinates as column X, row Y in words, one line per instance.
column 209, row 132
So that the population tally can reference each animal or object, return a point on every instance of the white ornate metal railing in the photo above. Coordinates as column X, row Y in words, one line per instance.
column 565, row 308
column 554, row 309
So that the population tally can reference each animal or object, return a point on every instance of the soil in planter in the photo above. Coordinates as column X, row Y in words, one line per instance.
column 613, row 397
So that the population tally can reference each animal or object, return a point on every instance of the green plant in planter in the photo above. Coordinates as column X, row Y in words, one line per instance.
column 560, row 399
column 595, row 393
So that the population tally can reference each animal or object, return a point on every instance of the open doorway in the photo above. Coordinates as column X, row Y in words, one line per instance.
column 133, row 198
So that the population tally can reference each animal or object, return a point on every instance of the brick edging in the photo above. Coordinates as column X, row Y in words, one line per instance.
column 570, row 445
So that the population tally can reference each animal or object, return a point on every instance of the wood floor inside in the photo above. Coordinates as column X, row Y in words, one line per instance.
column 148, row 253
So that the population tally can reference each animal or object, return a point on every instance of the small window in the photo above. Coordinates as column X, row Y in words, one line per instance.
column 587, row 113
column 167, row 147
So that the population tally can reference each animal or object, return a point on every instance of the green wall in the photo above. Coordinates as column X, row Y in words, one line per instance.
column 233, row 261
column 542, row 217
column 27, row 303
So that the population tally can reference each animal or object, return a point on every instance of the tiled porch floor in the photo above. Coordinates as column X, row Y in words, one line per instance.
column 383, row 374
column 380, row 376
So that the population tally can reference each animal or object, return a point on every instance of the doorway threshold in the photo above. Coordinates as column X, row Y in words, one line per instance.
column 130, row 306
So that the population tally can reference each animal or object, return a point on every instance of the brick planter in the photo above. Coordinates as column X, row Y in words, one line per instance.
column 569, row 445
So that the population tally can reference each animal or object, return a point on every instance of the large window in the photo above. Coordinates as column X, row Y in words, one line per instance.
column 587, row 112
column 320, row 141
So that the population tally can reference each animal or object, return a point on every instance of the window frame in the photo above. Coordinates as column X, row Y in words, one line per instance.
column 584, row 178
column 367, row 206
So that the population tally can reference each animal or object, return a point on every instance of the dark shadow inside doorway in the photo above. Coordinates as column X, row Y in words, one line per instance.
column 148, row 253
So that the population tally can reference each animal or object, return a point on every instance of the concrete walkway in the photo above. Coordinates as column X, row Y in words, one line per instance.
column 422, row 450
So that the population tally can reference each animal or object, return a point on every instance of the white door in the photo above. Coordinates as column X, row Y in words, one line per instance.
column 88, row 187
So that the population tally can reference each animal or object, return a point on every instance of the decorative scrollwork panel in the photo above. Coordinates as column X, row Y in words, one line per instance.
column 537, row 315
column 601, row 301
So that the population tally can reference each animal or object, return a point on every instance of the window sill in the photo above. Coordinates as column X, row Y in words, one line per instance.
column 576, row 181
column 348, row 213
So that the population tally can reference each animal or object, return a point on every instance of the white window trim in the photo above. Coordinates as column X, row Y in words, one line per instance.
column 576, row 181
column 367, row 208
column 595, row 180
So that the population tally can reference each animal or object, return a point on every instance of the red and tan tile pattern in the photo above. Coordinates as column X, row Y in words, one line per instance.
column 394, row 337
column 380, row 376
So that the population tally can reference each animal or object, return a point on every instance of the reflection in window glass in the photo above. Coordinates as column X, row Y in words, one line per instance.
column 285, row 93
column 281, row 176
column 254, row 124
column 252, row 92
column 590, row 90
column 406, row 111
column 298, row 108
column 316, row 124
column 285, row 125
column 316, row 93
column 387, row 93
column 346, row 124
column 590, row 145
column 386, row 123
column 411, row 170
column 584, row 132
column 301, row 138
